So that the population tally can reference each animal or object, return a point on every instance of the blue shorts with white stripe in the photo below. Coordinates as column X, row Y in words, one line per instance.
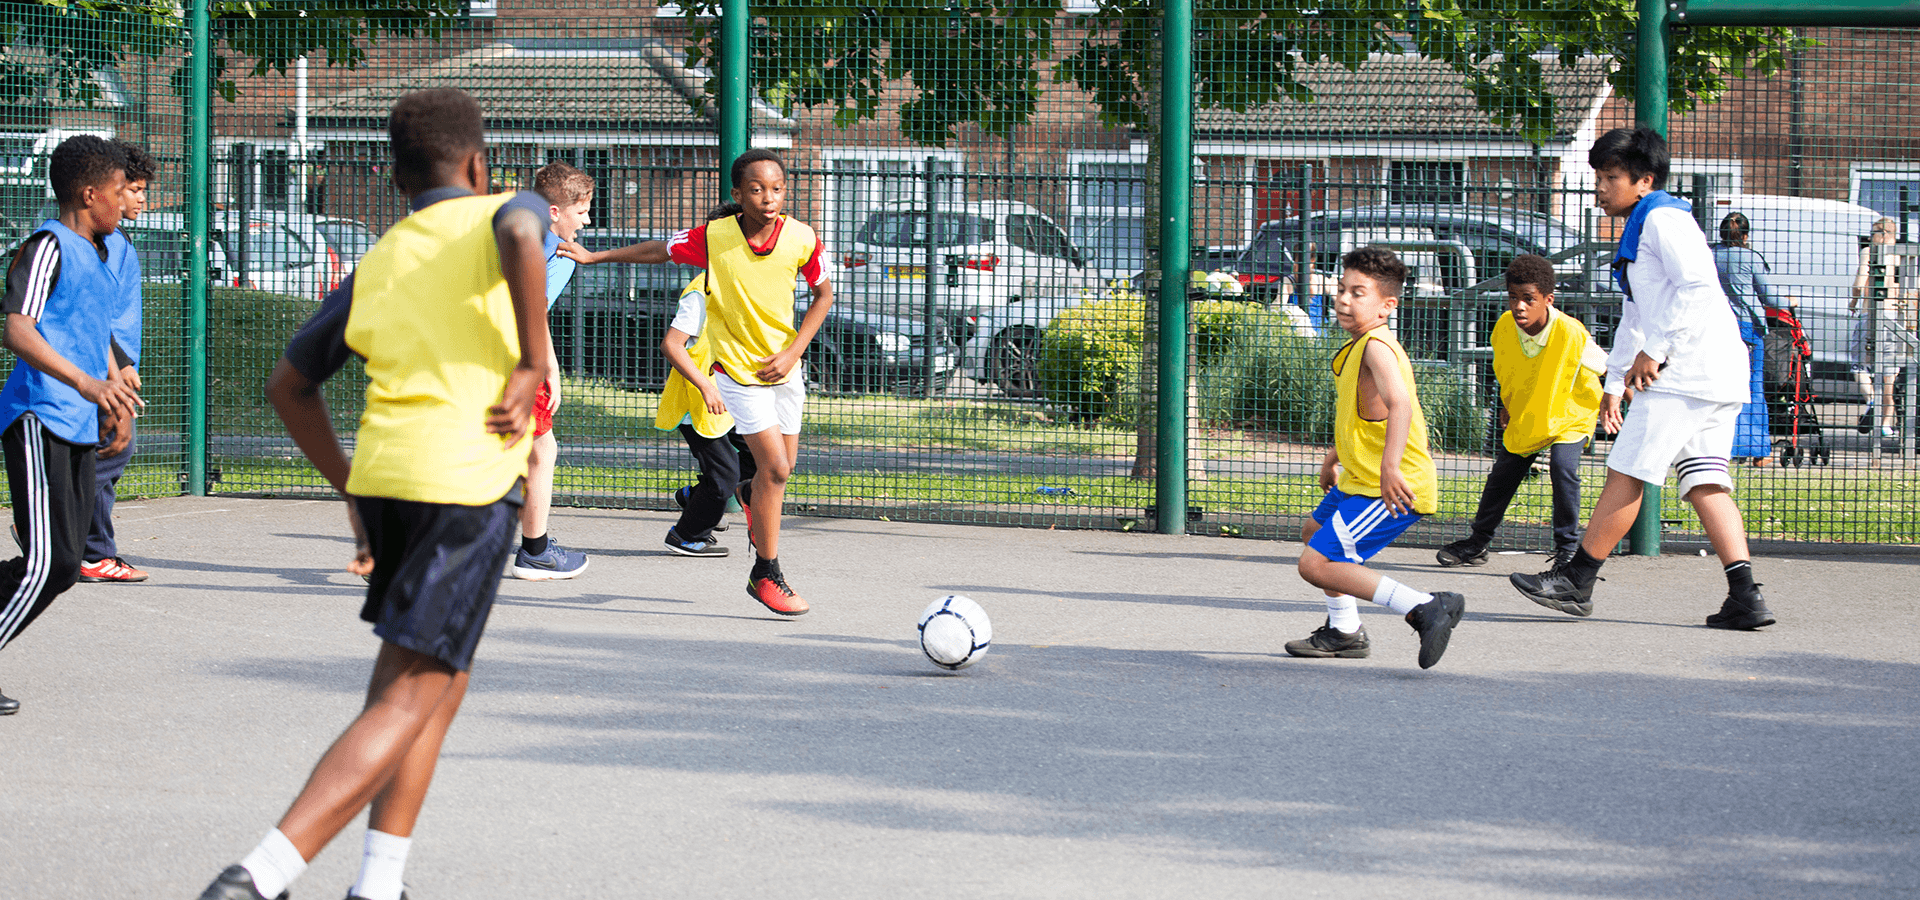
column 1354, row 528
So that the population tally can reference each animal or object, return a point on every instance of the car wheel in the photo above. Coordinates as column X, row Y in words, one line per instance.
column 1014, row 363
column 826, row 370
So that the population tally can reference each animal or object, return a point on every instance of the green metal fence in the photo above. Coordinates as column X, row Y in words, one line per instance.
column 1002, row 189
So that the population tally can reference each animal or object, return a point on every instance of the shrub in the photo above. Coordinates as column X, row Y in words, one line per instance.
column 1090, row 356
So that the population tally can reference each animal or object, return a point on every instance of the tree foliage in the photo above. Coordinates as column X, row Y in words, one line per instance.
column 980, row 61
column 76, row 38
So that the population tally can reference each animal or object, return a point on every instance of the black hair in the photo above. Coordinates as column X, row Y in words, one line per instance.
column 1735, row 228
column 140, row 165
column 738, row 173
column 1528, row 268
column 1637, row 151
column 81, row 162
column 430, row 130
column 1381, row 265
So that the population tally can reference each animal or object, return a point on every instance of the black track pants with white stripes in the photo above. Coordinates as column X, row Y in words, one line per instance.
column 52, row 486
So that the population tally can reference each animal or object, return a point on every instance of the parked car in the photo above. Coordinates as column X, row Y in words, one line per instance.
column 280, row 252
column 611, row 320
column 985, row 255
column 1493, row 235
column 163, row 253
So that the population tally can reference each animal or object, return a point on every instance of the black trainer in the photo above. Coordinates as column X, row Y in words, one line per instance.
column 1554, row 589
column 8, row 705
column 236, row 883
column 1329, row 642
column 1434, row 620
column 1742, row 613
column 705, row 547
column 1462, row 553
column 680, row 496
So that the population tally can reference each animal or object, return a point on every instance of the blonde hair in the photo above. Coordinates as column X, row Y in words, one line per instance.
column 562, row 184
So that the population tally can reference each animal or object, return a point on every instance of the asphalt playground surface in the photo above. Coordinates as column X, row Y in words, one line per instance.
column 1136, row 731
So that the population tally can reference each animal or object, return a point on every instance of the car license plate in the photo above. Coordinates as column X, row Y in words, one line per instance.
column 915, row 271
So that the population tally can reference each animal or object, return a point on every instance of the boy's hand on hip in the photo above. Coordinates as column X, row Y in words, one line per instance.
column 513, row 415
column 711, row 397
column 1328, row 476
column 118, row 433
column 1644, row 372
column 116, row 399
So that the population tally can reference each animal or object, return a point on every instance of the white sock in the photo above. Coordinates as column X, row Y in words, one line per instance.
column 381, row 865
column 1343, row 613
column 1398, row 597
column 274, row 864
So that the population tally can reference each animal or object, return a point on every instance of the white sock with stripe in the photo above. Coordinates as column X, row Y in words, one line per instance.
column 1343, row 612
column 274, row 864
column 1398, row 597
column 381, row 865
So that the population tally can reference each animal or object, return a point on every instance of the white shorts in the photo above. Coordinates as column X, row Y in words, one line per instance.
column 1663, row 430
column 758, row 407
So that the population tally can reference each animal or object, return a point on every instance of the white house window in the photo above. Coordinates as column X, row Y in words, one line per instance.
column 1704, row 178
column 1426, row 181
column 861, row 181
column 1107, row 217
column 266, row 175
column 1877, row 187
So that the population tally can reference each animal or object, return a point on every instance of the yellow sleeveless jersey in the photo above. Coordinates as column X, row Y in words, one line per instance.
column 750, row 294
column 1550, row 397
column 1362, row 442
column 432, row 317
column 680, row 401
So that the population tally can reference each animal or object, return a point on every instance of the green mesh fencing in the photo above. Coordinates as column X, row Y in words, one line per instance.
column 987, row 182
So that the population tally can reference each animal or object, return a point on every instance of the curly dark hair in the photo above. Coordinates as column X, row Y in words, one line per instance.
column 81, row 162
column 1381, row 265
column 140, row 165
column 430, row 129
column 1530, row 269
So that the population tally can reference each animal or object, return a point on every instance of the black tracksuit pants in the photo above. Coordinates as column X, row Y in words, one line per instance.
column 1509, row 469
column 53, row 491
column 725, row 463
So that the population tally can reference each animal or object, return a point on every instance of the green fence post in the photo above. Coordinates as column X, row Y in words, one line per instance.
column 199, row 121
column 1176, row 236
column 1650, row 109
column 736, row 96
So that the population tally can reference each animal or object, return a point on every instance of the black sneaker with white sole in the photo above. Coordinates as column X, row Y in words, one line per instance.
column 705, row 547
column 1554, row 589
column 1748, row 613
column 1434, row 620
column 1328, row 642
column 1462, row 553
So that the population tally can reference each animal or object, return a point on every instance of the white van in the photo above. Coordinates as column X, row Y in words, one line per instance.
column 1812, row 248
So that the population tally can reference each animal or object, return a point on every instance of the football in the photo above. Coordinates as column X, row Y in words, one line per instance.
column 954, row 632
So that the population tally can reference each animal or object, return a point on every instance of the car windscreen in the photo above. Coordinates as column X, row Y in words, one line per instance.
column 350, row 239
column 909, row 229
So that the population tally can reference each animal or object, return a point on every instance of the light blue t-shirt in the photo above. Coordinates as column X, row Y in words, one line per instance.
column 559, row 268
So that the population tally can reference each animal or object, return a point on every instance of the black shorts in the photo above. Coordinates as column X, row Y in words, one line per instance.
column 436, row 570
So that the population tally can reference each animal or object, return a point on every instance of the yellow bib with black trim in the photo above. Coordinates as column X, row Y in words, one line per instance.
column 1362, row 442
column 680, row 401
column 432, row 317
column 750, row 294
column 1550, row 398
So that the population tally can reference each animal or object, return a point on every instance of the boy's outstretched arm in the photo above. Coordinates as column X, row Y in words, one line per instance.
column 1381, row 365
column 643, row 252
column 115, row 398
column 524, row 263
